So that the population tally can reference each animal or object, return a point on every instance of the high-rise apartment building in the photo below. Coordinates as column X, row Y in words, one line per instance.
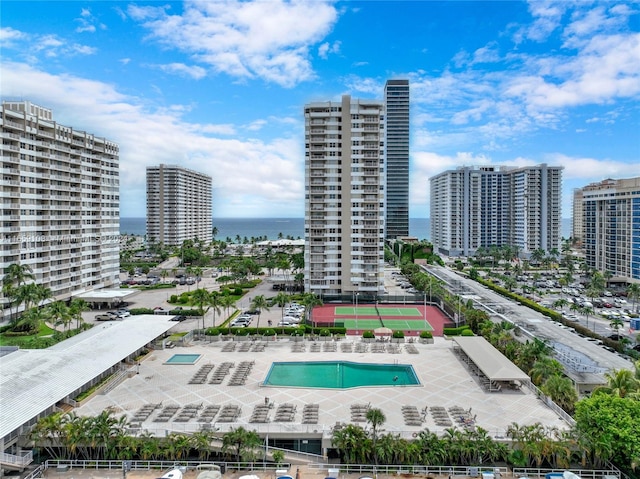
column 473, row 207
column 60, row 196
column 396, row 145
column 178, row 205
column 344, row 197
column 611, row 227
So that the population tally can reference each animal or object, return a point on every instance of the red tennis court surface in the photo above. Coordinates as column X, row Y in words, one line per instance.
column 409, row 318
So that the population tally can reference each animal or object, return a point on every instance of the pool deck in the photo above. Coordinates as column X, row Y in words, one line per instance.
column 446, row 382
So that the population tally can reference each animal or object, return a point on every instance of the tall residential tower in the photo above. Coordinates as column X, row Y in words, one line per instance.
column 344, row 197
column 496, row 206
column 60, row 196
column 178, row 205
column 611, row 227
column 396, row 100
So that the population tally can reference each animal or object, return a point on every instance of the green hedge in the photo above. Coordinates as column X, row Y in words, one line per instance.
column 398, row 334
column 426, row 334
column 455, row 331
column 368, row 335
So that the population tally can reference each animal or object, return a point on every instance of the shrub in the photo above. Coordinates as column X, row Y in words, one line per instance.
column 242, row 332
column 212, row 332
column 269, row 332
column 135, row 311
column 466, row 332
column 368, row 335
column 426, row 334
column 173, row 298
column 398, row 334
column 325, row 332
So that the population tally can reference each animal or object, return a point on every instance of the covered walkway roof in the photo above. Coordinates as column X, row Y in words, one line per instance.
column 33, row 380
column 493, row 364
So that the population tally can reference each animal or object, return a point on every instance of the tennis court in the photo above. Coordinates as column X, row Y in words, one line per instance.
column 412, row 319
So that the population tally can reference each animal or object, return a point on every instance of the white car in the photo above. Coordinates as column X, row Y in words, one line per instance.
column 291, row 319
column 286, row 323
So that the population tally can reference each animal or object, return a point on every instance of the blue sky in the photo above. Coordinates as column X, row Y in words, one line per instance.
column 220, row 86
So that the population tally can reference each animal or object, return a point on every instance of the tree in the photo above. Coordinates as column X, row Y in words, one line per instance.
column 544, row 368
column 15, row 276
column 561, row 391
column 202, row 299
column 259, row 303
column 633, row 293
column 610, row 428
column 281, row 299
column 241, row 440
column 620, row 383
column 76, row 308
column 376, row 418
column 59, row 313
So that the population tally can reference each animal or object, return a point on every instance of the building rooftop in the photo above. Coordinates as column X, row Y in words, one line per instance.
column 33, row 380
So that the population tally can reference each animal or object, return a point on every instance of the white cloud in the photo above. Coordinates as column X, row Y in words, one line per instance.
column 326, row 48
column 258, row 174
column 9, row 37
column 192, row 71
column 249, row 39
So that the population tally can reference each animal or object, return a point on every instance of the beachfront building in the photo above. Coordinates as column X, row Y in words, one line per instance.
column 473, row 207
column 178, row 205
column 60, row 198
column 344, row 197
column 396, row 147
column 611, row 227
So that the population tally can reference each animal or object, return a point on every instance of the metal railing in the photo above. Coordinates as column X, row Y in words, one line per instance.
column 17, row 460
column 162, row 465
column 583, row 473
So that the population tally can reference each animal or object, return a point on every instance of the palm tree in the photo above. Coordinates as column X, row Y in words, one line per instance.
column 227, row 302
column 59, row 313
column 242, row 440
column 202, row 299
column 561, row 391
column 633, row 293
column 616, row 324
column 15, row 276
column 310, row 301
column 259, row 303
column 544, row 368
column 215, row 302
column 281, row 299
column 77, row 307
column 376, row 418
column 620, row 383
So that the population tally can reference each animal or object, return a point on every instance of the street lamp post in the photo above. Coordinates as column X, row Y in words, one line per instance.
column 425, row 311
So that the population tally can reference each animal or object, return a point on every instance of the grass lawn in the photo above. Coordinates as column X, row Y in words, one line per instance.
column 20, row 340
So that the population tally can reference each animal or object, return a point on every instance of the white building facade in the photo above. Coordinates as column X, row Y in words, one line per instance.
column 473, row 207
column 611, row 228
column 344, row 197
column 178, row 205
column 60, row 196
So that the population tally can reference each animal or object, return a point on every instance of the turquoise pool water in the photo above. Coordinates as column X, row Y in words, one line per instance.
column 339, row 375
column 183, row 359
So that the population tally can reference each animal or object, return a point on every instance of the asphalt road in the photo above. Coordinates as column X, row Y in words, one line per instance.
column 583, row 355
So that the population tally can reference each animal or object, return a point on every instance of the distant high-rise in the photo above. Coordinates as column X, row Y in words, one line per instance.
column 344, row 197
column 610, row 227
column 396, row 99
column 61, row 201
column 178, row 205
column 488, row 206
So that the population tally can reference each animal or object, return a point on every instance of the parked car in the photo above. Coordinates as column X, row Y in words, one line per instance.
column 179, row 318
column 286, row 323
column 105, row 317
column 291, row 319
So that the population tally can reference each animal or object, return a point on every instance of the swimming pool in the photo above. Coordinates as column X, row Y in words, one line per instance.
column 339, row 375
column 183, row 359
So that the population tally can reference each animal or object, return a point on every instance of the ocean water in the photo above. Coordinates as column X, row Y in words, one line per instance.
column 272, row 228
